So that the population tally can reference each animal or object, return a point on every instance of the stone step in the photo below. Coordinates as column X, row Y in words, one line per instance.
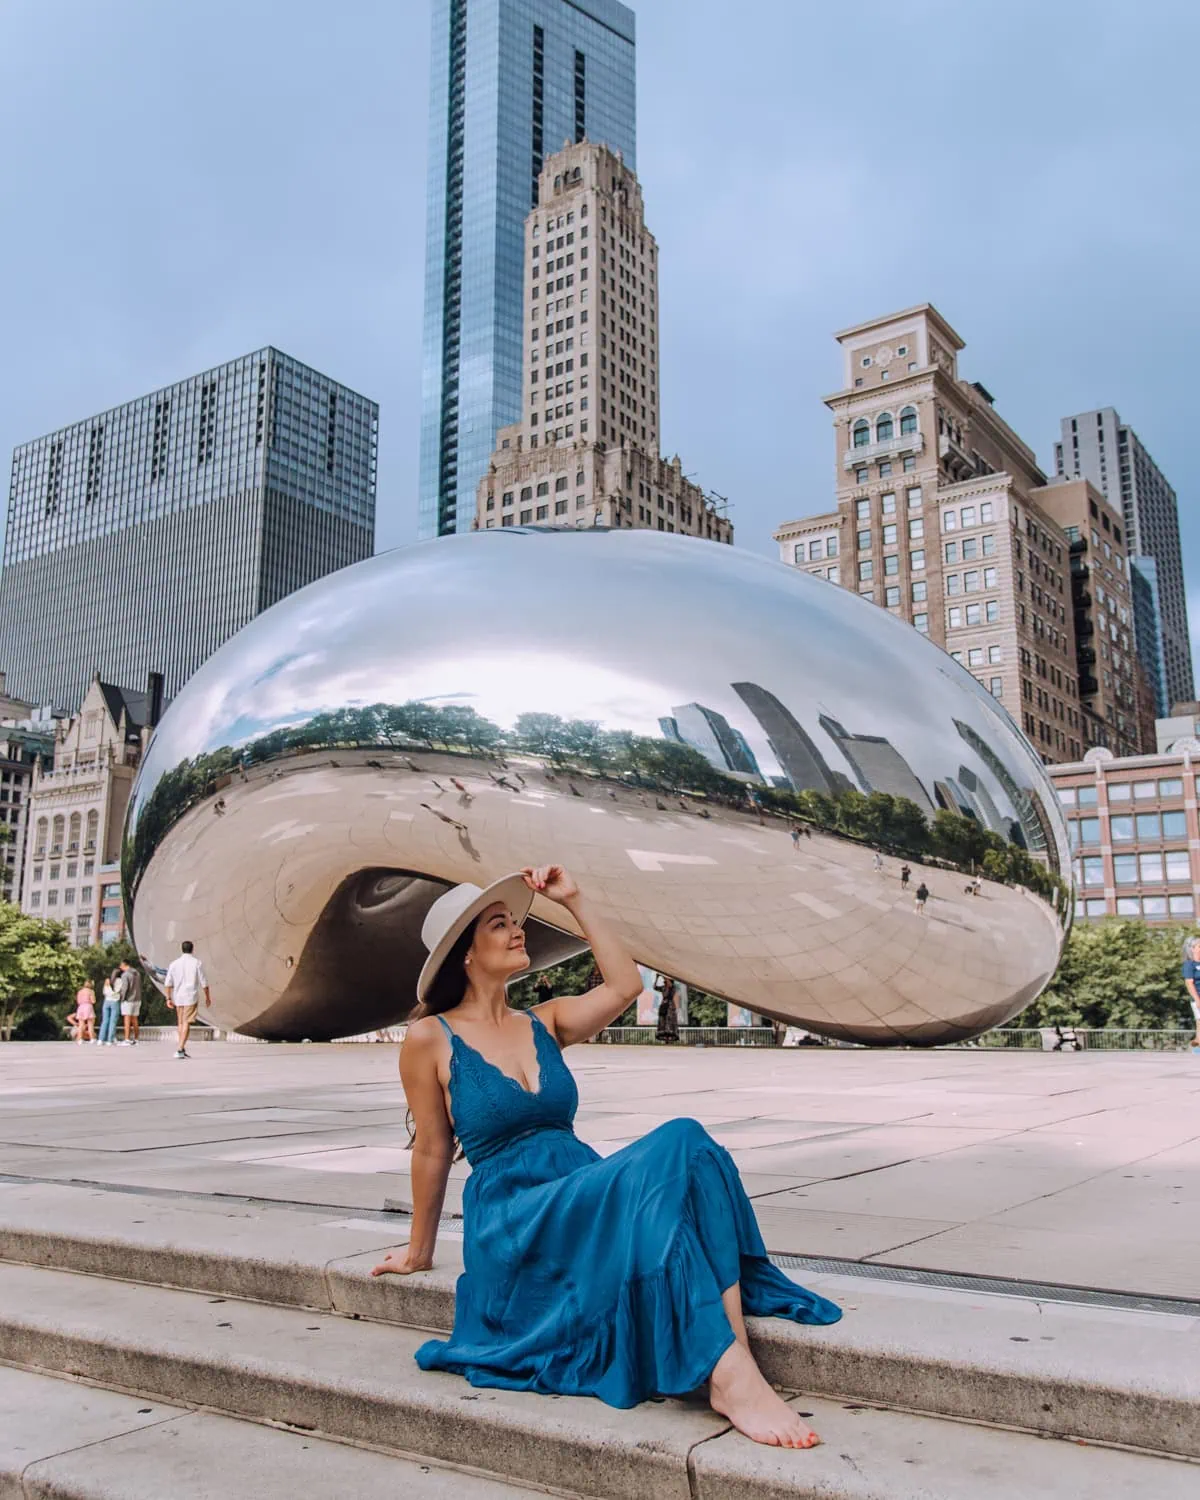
column 61, row 1440
column 331, row 1377
column 1099, row 1373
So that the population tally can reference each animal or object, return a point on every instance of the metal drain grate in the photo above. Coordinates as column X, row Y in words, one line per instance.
column 992, row 1286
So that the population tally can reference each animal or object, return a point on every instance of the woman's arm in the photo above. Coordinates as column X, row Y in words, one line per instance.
column 433, row 1147
column 575, row 1018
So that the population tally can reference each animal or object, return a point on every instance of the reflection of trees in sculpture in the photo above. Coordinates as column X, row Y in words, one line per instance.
column 879, row 818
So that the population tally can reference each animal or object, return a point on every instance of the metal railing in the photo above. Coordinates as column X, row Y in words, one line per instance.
column 1081, row 1039
column 692, row 1036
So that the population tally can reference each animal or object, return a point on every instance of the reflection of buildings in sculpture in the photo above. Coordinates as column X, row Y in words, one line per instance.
column 801, row 762
column 877, row 763
column 711, row 733
column 948, row 795
column 1035, row 822
column 990, row 814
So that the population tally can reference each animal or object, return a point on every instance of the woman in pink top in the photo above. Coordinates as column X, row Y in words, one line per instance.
column 84, row 1018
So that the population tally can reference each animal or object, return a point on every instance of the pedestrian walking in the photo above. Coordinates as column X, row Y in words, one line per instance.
column 83, row 1017
column 878, row 861
column 796, row 836
column 110, row 1010
column 184, row 984
column 922, row 896
column 1191, row 980
column 667, row 1029
column 905, row 877
column 129, row 990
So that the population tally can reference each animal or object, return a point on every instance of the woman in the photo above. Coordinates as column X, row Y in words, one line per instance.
column 83, row 1017
column 667, row 1029
column 111, row 1008
column 620, row 1277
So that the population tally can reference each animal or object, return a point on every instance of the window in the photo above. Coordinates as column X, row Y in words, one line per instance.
column 986, row 512
column 866, row 571
column 975, row 656
column 1143, row 790
column 971, row 581
column 860, row 476
column 954, row 617
column 972, row 614
column 831, row 546
column 814, row 551
column 884, row 428
column 954, row 583
column 949, row 520
column 1121, row 830
column 914, row 496
column 916, row 560
column 995, row 655
column 866, row 360
column 1066, row 795
column 916, row 528
column 951, row 552
column 989, row 578
column 1174, row 825
column 910, row 464
column 1125, row 869
column 798, row 553
column 1128, row 906
column 968, row 516
column 1154, row 906
column 991, row 612
column 1118, row 791
column 864, row 541
column 887, row 503
column 542, row 512
column 1179, row 866
column 834, row 575
column 1088, row 830
column 1087, row 796
column 560, row 507
column 526, row 517
column 908, row 420
column 885, row 469
column 919, row 592
column 1182, row 906
column 862, row 510
column 1150, row 867
column 544, row 487
column 1148, row 826
column 1093, row 908
column 921, row 624
column 862, row 433
column 1093, row 870
column 989, row 545
column 902, row 350
column 892, row 597
column 1171, row 787
column 996, row 687
column 889, row 536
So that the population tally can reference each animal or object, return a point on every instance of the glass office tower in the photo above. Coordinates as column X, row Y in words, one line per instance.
column 512, row 81
column 142, row 539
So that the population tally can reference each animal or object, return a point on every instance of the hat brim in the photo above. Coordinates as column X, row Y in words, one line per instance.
column 511, row 889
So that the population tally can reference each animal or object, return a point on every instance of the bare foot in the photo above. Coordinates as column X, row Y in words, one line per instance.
column 738, row 1390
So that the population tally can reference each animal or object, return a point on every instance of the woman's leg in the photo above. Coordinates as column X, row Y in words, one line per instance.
column 738, row 1390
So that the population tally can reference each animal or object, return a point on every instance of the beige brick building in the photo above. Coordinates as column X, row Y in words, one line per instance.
column 944, row 518
column 76, row 813
column 587, row 450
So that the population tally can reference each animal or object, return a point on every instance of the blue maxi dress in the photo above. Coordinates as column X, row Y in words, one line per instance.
column 588, row 1275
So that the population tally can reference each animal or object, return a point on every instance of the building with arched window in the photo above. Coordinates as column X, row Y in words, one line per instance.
column 944, row 518
column 79, row 787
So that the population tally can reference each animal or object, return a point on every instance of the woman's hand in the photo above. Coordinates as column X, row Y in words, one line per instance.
column 402, row 1262
column 551, row 881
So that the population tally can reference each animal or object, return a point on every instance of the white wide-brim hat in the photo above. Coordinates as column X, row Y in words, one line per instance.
column 450, row 916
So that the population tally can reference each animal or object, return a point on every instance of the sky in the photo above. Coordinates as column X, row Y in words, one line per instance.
column 182, row 184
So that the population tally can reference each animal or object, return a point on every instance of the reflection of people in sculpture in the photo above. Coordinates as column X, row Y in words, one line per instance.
column 667, row 1029
column 620, row 1277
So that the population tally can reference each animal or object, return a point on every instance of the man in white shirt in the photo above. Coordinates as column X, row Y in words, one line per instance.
column 184, row 984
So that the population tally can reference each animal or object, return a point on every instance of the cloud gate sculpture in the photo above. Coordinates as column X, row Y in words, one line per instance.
column 716, row 745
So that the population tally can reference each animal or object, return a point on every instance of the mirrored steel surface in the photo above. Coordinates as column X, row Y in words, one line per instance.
column 715, row 744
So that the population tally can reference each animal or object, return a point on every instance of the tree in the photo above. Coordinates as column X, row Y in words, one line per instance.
column 38, row 967
column 100, row 959
column 1116, row 973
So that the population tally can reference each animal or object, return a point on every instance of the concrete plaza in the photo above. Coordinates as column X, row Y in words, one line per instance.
column 1075, row 1169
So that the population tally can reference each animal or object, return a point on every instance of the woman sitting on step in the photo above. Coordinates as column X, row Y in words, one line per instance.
column 621, row 1277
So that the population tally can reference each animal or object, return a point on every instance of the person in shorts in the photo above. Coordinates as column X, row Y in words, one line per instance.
column 185, row 982
column 1191, row 981
column 130, row 992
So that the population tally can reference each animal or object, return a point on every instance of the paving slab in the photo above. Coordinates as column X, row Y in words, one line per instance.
column 1015, row 1164
column 62, row 1440
column 872, row 1454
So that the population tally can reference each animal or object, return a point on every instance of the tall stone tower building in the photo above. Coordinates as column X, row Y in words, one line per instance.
column 944, row 518
column 586, row 450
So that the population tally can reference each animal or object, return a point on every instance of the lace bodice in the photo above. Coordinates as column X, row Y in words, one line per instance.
column 492, row 1110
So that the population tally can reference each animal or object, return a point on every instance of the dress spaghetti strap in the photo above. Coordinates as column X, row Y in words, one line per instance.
column 446, row 1027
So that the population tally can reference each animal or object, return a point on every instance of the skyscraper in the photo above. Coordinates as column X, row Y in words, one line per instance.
column 512, row 80
column 792, row 746
column 145, row 537
column 877, row 763
column 586, row 450
column 711, row 733
column 1147, row 618
column 1097, row 445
